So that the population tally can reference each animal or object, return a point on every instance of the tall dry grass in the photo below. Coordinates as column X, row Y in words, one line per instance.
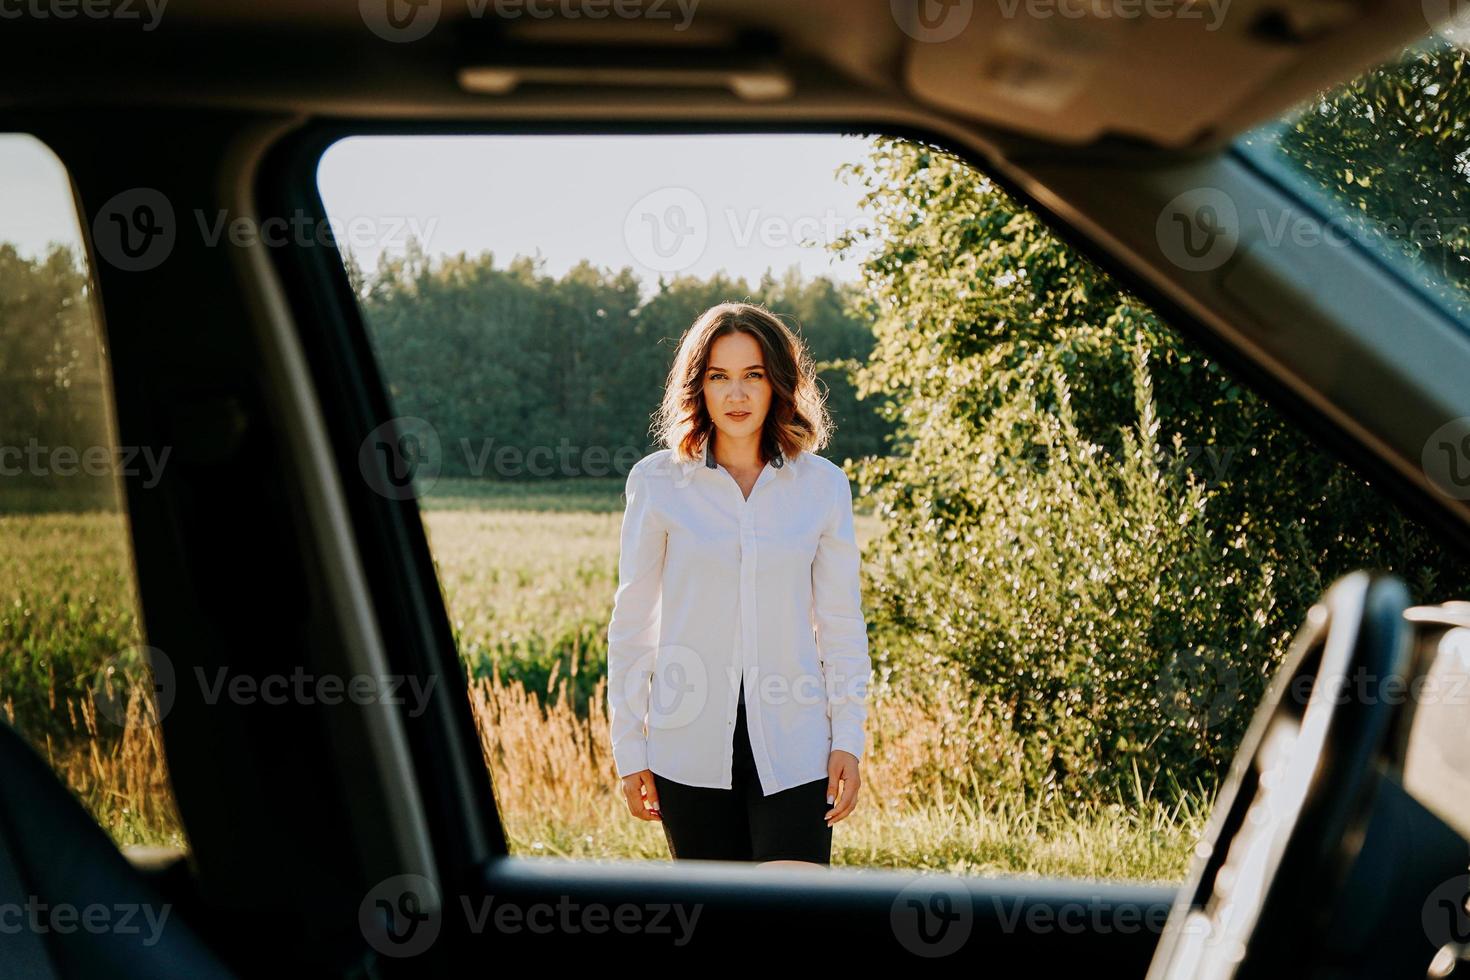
column 935, row 793
column 923, row 803
column 119, row 773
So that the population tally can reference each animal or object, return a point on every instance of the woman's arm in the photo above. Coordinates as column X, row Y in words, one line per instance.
column 632, row 635
column 837, row 615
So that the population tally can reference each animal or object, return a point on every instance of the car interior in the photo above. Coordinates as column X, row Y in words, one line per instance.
column 321, row 840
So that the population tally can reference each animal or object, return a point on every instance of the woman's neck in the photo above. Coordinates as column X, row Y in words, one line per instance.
column 739, row 455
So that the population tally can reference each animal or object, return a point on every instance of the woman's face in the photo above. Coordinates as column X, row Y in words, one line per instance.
column 735, row 381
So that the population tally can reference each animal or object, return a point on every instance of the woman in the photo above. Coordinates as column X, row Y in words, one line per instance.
column 738, row 653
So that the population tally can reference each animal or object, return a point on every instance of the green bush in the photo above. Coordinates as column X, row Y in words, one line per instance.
column 1113, row 538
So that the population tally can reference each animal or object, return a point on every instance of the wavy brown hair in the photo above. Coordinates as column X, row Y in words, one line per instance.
column 797, row 420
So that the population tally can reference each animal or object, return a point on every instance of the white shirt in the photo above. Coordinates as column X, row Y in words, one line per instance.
column 716, row 590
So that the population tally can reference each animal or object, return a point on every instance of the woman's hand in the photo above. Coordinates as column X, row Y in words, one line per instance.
column 842, row 767
column 641, row 795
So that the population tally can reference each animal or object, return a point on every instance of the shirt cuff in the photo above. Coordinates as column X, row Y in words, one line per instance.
column 849, row 743
column 631, row 756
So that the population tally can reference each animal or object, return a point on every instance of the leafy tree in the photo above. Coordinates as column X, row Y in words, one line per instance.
column 1113, row 537
column 511, row 357
column 52, row 374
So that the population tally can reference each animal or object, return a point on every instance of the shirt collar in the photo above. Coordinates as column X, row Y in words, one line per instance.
column 779, row 462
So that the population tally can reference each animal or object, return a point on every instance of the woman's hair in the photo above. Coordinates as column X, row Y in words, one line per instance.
column 797, row 420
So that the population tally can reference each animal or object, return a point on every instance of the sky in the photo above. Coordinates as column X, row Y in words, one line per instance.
column 36, row 203
column 666, row 205
column 659, row 204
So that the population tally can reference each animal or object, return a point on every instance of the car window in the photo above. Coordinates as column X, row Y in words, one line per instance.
column 75, row 676
column 1083, row 545
column 1385, row 158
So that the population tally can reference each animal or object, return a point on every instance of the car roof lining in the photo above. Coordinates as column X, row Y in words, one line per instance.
column 1174, row 82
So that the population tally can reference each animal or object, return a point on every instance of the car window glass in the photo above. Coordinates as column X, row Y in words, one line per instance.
column 74, row 665
column 1385, row 158
column 1085, row 546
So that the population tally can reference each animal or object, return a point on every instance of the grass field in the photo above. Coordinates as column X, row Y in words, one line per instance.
column 528, row 576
